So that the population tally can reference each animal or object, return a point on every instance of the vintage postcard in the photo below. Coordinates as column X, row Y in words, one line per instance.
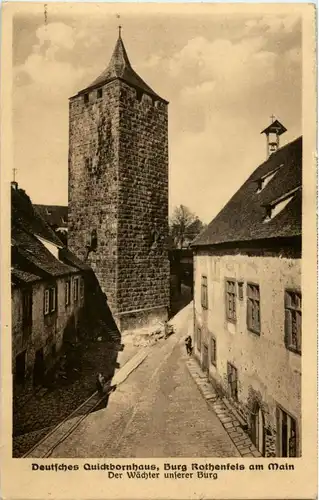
column 158, row 251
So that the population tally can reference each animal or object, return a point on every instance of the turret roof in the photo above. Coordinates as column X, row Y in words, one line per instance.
column 120, row 68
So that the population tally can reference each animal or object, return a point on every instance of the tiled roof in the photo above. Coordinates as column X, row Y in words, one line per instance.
column 120, row 68
column 71, row 259
column 243, row 217
column 30, row 256
column 23, row 214
column 19, row 276
column 54, row 215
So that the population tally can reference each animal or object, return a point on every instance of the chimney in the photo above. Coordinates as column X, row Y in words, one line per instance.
column 273, row 132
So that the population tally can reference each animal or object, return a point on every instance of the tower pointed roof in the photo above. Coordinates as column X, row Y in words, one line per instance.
column 120, row 68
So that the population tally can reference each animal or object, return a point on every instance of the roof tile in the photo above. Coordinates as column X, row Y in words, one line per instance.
column 242, row 218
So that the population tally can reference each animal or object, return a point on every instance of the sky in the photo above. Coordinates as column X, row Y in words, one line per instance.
column 224, row 75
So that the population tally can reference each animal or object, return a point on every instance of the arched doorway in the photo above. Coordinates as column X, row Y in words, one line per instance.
column 257, row 428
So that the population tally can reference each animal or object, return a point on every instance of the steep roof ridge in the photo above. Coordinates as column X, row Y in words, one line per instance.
column 270, row 158
column 241, row 217
column 284, row 196
column 120, row 68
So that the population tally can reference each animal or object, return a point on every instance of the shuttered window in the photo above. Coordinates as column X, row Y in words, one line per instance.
column 213, row 351
column 231, row 300
column 46, row 301
column 204, row 296
column 286, row 434
column 253, row 308
column 67, row 292
column 75, row 289
column 81, row 288
column 293, row 320
column 50, row 300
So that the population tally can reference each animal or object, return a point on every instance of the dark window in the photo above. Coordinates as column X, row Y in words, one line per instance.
column 50, row 300
column 231, row 300
column 53, row 350
column 38, row 370
column 88, row 163
column 213, row 351
column 93, row 240
column 204, row 297
column 139, row 95
column 67, row 292
column 86, row 98
column 232, row 378
column 20, row 368
column 240, row 290
column 27, row 312
column 253, row 308
column 286, row 434
column 293, row 320
column 99, row 93
column 53, row 299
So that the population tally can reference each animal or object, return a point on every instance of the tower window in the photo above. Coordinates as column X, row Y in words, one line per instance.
column 88, row 163
column 99, row 93
column 139, row 95
column 93, row 240
column 86, row 98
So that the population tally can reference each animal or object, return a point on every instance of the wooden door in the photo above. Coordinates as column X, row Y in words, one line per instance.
column 257, row 429
column 205, row 358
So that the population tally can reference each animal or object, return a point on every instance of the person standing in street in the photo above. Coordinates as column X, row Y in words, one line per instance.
column 188, row 345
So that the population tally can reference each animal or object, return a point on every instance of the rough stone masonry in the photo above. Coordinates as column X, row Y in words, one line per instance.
column 118, row 191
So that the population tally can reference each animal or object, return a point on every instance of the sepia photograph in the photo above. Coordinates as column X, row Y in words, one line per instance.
column 157, row 238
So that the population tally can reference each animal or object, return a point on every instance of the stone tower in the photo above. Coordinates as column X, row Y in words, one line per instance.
column 118, row 190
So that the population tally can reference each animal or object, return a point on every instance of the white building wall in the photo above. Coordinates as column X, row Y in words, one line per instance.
column 266, row 368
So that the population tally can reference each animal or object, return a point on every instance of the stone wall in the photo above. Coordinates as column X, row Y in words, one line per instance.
column 268, row 373
column 93, row 183
column 118, row 186
column 143, row 265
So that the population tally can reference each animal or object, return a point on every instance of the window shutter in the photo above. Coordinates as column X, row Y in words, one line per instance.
column 298, row 320
column 249, row 312
column 287, row 327
column 46, row 302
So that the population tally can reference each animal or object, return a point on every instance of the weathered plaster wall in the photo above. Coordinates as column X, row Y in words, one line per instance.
column 267, row 371
column 46, row 330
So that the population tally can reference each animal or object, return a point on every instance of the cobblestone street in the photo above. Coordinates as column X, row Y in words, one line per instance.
column 45, row 410
column 158, row 411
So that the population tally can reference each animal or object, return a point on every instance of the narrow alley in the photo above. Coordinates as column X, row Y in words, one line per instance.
column 157, row 411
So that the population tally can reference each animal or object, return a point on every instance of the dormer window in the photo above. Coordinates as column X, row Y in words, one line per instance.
column 265, row 179
column 277, row 206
